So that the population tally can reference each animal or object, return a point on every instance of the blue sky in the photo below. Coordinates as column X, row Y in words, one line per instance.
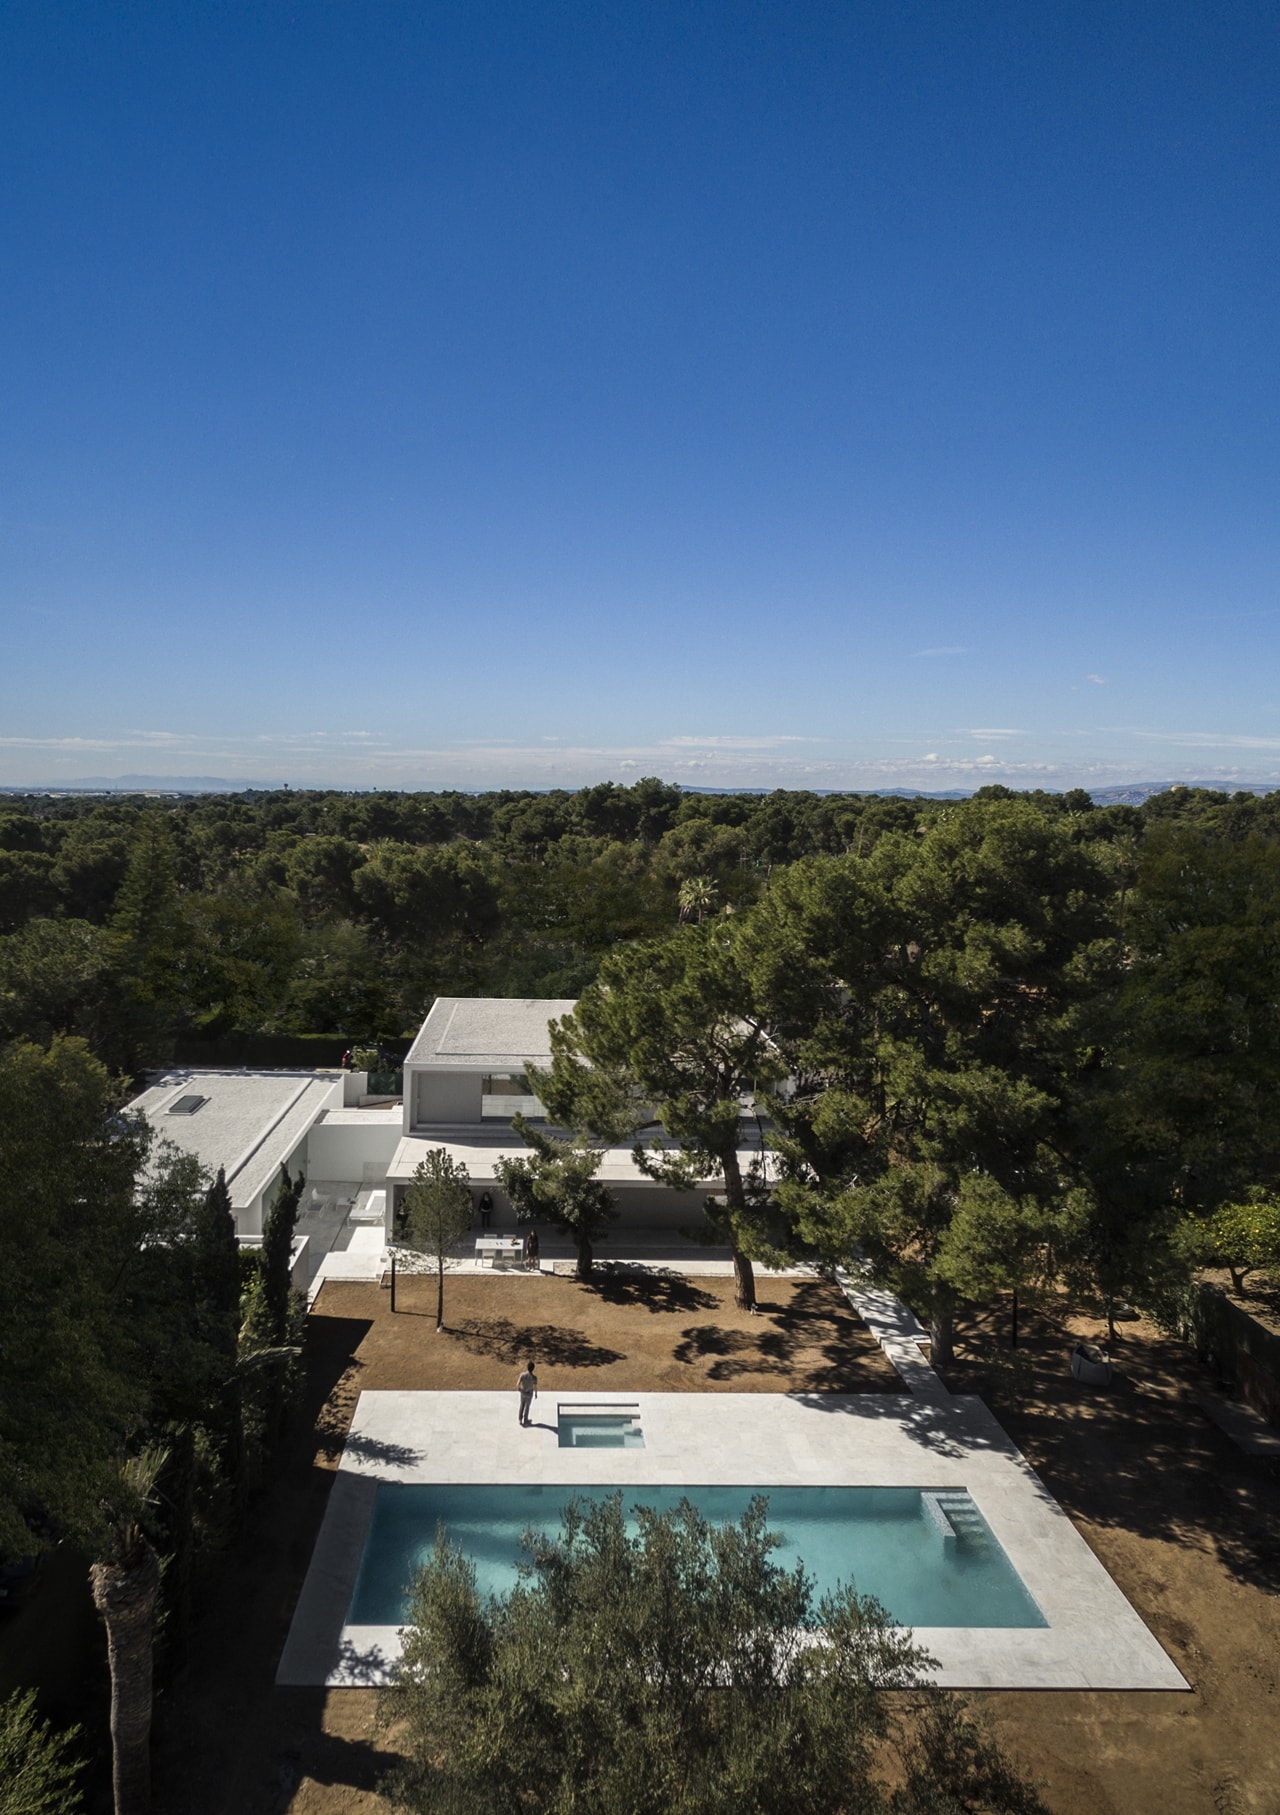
column 759, row 394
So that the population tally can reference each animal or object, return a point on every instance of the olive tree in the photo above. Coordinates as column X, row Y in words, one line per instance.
column 660, row 1665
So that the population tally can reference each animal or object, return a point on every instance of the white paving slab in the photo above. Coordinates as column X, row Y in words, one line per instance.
column 1093, row 1639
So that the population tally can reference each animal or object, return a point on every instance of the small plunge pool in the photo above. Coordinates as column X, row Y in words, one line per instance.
column 600, row 1427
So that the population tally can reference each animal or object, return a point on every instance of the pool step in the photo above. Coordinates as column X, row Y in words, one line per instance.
column 955, row 1516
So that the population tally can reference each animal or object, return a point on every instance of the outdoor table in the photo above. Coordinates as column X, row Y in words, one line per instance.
column 492, row 1249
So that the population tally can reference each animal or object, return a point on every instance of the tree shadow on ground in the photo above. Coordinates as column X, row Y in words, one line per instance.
column 376, row 1449
column 652, row 1290
column 1138, row 1455
column 330, row 1759
column 499, row 1339
column 331, row 1359
column 806, row 1338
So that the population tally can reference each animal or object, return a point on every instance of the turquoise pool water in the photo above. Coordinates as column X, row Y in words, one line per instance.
column 600, row 1430
column 927, row 1555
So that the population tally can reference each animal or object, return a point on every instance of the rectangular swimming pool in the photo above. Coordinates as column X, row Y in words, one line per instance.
column 927, row 1555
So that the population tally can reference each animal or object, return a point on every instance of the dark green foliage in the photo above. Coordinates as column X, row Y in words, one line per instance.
column 277, row 1248
column 267, row 1378
column 670, row 1673
column 71, row 1232
column 56, row 976
column 216, row 1266
column 39, row 1767
column 174, row 1536
column 674, row 1026
column 557, row 1184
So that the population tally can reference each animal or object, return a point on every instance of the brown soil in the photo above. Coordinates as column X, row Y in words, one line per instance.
column 1189, row 1529
column 631, row 1332
column 1187, row 1526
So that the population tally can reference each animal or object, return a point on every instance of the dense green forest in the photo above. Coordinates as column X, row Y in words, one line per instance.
column 1020, row 1038
column 133, row 922
column 296, row 913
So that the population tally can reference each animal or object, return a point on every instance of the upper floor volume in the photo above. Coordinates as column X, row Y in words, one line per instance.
column 468, row 1062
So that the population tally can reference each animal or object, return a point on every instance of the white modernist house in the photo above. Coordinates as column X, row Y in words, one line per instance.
column 463, row 1082
column 250, row 1123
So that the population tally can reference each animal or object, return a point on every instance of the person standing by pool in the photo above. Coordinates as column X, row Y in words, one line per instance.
column 486, row 1208
column 531, row 1251
column 527, row 1387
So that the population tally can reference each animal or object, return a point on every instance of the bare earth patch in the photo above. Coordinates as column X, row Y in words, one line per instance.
column 631, row 1333
column 1188, row 1527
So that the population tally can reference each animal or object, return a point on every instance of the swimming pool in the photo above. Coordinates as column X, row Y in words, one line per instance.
column 927, row 1555
column 599, row 1427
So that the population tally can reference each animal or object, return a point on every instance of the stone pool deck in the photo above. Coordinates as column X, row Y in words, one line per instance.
column 1093, row 1639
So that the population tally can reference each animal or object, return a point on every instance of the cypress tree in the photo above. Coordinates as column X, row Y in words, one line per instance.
column 277, row 1247
column 217, row 1295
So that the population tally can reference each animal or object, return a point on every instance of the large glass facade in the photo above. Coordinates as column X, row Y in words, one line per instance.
column 504, row 1094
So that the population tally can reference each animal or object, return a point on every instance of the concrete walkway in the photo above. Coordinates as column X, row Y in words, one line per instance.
column 900, row 1334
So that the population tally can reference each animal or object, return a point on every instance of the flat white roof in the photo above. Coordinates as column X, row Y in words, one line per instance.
column 249, row 1122
column 487, row 1033
column 478, row 1152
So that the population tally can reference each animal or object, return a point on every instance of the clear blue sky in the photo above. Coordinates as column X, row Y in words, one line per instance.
column 794, row 393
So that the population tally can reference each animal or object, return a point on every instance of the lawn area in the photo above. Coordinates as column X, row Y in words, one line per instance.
column 1188, row 1528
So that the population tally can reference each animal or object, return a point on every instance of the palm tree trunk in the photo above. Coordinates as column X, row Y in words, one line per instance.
column 125, row 1596
column 440, row 1293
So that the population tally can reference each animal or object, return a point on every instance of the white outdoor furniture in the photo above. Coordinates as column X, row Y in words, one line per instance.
column 500, row 1250
column 1090, row 1364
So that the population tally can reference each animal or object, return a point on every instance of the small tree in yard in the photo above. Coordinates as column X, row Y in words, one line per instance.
column 676, row 1671
column 1239, row 1237
column 558, row 1182
column 437, row 1214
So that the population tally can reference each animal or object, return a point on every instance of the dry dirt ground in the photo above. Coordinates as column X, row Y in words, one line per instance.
column 1188, row 1527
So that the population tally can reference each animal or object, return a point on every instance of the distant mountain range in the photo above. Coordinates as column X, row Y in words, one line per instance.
column 1127, row 794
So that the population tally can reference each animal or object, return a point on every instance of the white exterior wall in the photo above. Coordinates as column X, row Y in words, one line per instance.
column 442, row 1097
column 347, row 1150
column 250, row 1218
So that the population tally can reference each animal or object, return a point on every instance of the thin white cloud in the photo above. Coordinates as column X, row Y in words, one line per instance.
column 339, row 760
column 1211, row 740
column 732, row 743
column 1098, row 680
column 944, row 649
column 984, row 735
